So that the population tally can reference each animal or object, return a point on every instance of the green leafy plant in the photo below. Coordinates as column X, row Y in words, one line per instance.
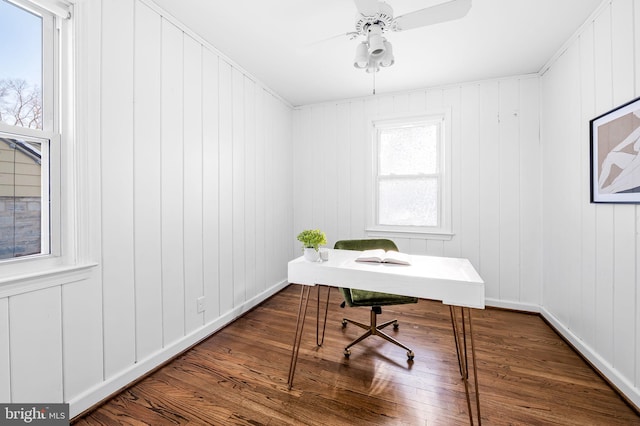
column 312, row 238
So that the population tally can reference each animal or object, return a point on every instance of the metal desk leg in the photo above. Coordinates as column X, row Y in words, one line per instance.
column 320, row 341
column 302, row 314
column 460, row 339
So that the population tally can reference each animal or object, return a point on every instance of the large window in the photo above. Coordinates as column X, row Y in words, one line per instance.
column 28, row 126
column 411, row 190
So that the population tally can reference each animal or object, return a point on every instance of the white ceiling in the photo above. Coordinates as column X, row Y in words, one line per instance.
column 276, row 41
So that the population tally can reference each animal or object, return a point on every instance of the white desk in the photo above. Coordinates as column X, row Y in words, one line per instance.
column 451, row 280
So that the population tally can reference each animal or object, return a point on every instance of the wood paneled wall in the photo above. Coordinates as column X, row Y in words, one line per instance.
column 497, row 216
column 592, row 252
column 189, row 170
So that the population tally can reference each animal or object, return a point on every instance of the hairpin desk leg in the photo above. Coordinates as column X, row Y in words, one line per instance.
column 460, row 339
column 302, row 313
column 320, row 341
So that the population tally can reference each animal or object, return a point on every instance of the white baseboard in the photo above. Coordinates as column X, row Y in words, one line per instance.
column 114, row 384
column 514, row 306
column 624, row 386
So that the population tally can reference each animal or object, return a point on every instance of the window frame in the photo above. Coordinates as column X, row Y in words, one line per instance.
column 443, row 231
column 58, row 107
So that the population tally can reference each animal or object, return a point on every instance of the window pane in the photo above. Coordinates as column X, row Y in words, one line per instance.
column 20, row 67
column 20, row 198
column 409, row 150
column 408, row 202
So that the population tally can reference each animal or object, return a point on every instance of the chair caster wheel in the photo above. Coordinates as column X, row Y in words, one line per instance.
column 396, row 325
column 347, row 352
column 410, row 355
column 344, row 323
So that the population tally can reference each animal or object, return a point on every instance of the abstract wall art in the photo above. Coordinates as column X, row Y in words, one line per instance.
column 615, row 155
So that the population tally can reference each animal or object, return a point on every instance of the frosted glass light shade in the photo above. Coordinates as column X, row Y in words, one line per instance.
column 361, row 59
column 387, row 59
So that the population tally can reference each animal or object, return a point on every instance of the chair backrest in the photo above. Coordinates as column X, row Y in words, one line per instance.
column 367, row 244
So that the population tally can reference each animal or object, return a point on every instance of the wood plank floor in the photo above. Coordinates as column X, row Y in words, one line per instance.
column 527, row 374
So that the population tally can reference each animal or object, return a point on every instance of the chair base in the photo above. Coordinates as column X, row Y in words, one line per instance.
column 374, row 329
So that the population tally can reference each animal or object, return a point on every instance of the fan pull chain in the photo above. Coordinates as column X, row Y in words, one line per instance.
column 374, row 82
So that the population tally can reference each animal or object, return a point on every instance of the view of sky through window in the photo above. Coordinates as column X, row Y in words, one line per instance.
column 20, row 66
column 21, row 46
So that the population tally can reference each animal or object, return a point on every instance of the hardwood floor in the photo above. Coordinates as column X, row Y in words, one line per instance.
column 527, row 374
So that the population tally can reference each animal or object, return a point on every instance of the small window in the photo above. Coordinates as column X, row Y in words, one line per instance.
column 28, row 117
column 410, row 182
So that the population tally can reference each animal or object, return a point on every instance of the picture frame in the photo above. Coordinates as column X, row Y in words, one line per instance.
column 615, row 155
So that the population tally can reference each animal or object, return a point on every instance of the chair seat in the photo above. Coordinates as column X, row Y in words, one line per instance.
column 374, row 298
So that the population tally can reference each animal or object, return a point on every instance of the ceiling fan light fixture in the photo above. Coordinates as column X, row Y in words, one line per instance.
column 361, row 59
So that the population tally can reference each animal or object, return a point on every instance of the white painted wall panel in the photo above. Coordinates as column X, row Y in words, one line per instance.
column 36, row 374
column 192, row 113
column 509, row 189
column 172, row 154
column 315, row 185
column 530, row 191
column 117, row 188
column 358, row 143
column 5, row 366
column 469, row 228
column 302, row 181
column 279, row 190
column 585, row 328
column 571, row 178
column 226, row 188
column 238, row 187
column 146, row 181
column 342, row 170
column 489, row 161
column 271, row 269
column 261, row 243
column 82, row 335
column 329, row 180
column 211, row 184
column 250, row 187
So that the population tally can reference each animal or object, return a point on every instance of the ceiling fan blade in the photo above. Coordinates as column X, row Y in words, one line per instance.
column 448, row 11
column 367, row 7
column 351, row 35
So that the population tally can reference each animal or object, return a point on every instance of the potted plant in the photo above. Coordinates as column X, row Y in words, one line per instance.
column 311, row 240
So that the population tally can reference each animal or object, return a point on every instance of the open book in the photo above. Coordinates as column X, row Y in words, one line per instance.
column 381, row 256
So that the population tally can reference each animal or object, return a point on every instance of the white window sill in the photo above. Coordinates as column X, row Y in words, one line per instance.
column 409, row 233
column 18, row 284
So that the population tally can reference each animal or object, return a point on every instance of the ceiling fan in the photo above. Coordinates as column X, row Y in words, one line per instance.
column 375, row 18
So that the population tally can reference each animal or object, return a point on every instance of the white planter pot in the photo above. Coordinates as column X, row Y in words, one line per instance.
column 311, row 254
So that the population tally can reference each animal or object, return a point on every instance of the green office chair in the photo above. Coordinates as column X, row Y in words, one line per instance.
column 373, row 299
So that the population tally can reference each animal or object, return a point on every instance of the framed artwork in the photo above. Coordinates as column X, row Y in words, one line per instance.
column 615, row 155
